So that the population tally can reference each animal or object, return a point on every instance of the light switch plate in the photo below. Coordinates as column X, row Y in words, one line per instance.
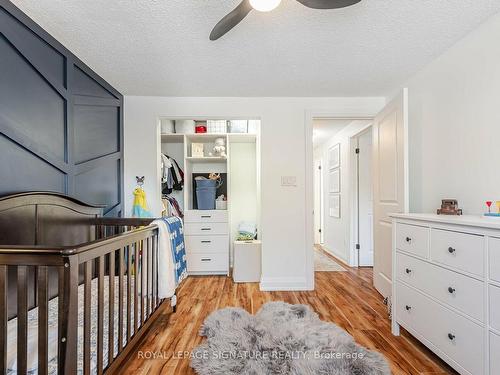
column 288, row 180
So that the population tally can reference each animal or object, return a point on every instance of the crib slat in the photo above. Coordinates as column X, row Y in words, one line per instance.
column 129, row 290
column 148, row 272
column 154, row 275
column 111, row 329
column 22, row 319
column 3, row 319
column 100, row 315
column 87, row 316
column 120, row 301
column 43, row 320
column 142, row 280
column 136, row 288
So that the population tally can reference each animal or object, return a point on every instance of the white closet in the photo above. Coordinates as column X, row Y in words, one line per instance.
column 210, row 234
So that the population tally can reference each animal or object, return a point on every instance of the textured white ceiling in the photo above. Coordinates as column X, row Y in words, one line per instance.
column 161, row 47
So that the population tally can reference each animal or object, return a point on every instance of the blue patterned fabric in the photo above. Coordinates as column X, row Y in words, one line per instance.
column 176, row 232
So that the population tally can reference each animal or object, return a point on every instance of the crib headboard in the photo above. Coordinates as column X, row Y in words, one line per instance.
column 44, row 218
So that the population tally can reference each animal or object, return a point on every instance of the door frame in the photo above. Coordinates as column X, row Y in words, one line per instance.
column 310, row 116
column 318, row 214
column 354, row 202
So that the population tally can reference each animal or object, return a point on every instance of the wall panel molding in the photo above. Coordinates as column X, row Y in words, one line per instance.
column 43, row 89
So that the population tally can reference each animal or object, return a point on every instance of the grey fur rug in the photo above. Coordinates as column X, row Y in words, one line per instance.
column 280, row 339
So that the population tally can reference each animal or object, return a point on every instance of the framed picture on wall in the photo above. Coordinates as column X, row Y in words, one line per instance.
column 334, row 205
column 334, row 157
column 334, row 181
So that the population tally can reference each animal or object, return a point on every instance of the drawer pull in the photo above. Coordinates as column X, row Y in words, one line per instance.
column 408, row 239
column 451, row 336
column 408, row 271
column 451, row 250
column 206, row 216
column 206, row 228
column 206, row 241
column 451, row 290
column 206, row 259
column 408, row 308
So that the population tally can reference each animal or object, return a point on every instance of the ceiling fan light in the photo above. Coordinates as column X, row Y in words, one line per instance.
column 264, row 5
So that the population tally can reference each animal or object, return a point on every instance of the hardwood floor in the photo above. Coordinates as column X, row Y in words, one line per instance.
column 345, row 298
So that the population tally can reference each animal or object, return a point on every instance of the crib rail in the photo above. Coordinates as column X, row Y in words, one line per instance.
column 122, row 264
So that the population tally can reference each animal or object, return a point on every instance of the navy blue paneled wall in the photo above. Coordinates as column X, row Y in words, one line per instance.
column 60, row 123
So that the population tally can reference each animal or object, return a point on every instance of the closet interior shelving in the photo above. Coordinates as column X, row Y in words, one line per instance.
column 240, row 170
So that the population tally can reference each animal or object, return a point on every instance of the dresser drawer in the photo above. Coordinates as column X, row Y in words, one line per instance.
column 494, row 292
column 494, row 249
column 458, row 250
column 494, row 357
column 459, row 291
column 457, row 337
column 207, row 244
column 218, row 262
column 203, row 229
column 205, row 216
column 413, row 239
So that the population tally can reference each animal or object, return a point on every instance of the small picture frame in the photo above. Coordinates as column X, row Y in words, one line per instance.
column 334, row 181
column 334, row 205
column 334, row 157
column 197, row 150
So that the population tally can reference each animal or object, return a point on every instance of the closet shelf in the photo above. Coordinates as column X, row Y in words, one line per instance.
column 206, row 159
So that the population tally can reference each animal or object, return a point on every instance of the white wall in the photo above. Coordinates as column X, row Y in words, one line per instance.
column 283, row 212
column 337, row 231
column 454, row 125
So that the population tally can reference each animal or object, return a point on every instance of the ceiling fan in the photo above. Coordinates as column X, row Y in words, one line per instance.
column 241, row 11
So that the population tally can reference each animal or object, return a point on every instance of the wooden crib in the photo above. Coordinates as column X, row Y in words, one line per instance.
column 69, row 275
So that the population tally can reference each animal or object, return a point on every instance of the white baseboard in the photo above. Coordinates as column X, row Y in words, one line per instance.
column 271, row 284
column 336, row 255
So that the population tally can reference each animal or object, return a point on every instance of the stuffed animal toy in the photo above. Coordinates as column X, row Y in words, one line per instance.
column 220, row 147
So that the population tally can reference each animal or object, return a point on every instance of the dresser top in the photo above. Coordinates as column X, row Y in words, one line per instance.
column 466, row 220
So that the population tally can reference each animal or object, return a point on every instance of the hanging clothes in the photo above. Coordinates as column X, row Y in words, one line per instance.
column 172, row 207
column 172, row 176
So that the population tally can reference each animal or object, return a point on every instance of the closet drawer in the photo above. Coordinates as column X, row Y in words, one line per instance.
column 205, row 216
column 207, row 244
column 457, row 337
column 459, row 291
column 206, row 229
column 494, row 249
column 494, row 357
column 218, row 262
column 413, row 239
column 458, row 250
column 494, row 292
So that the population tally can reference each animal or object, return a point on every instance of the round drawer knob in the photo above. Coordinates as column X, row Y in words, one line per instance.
column 408, row 308
column 451, row 290
column 408, row 239
column 451, row 250
column 408, row 271
column 451, row 336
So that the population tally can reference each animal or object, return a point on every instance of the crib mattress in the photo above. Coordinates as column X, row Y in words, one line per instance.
column 32, row 349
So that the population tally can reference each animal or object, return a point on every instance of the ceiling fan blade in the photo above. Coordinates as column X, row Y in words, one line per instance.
column 231, row 20
column 328, row 4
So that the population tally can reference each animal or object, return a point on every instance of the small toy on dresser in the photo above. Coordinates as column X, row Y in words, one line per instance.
column 449, row 207
column 493, row 214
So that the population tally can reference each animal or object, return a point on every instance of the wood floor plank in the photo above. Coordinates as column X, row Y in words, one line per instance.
column 346, row 298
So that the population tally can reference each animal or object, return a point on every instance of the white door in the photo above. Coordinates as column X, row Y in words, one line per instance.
column 318, row 202
column 390, row 179
column 365, row 199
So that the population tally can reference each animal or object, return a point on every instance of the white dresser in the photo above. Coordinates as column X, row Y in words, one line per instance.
column 446, row 287
column 206, row 235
